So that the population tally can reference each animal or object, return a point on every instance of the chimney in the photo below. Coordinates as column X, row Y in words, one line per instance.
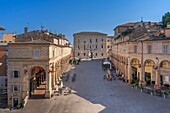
column 25, row 29
column 167, row 30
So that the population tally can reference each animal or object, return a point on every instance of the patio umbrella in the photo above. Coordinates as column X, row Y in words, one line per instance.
column 2, row 28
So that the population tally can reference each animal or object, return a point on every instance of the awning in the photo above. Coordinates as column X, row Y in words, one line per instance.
column 2, row 28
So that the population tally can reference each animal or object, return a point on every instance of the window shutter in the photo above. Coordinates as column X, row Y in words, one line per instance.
column 12, row 74
column 18, row 74
column 12, row 88
column 18, row 88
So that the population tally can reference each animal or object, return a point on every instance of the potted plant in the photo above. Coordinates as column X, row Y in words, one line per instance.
column 141, row 88
column 168, row 93
column 152, row 91
column 18, row 106
column 165, row 93
column 137, row 86
column 133, row 85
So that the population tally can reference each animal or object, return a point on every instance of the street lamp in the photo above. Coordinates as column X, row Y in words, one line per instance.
column 0, row 64
column 157, row 74
column 157, row 60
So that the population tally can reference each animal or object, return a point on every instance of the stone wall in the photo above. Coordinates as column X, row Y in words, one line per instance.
column 83, row 46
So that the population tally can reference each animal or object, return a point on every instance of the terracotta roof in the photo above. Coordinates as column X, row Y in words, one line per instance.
column 110, row 36
column 127, row 24
column 89, row 33
column 2, row 28
column 130, row 24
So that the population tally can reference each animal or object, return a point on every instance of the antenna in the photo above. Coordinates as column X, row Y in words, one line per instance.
column 42, row 27
column 141, row 19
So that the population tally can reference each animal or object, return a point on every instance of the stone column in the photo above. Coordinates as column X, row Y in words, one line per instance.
column 141, row 81
column 53, row 76
column 48, row 90
column 125, row 72
column 129, row 71
column 157, row 84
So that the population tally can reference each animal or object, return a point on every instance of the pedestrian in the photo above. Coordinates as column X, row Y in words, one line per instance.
column 22, row 105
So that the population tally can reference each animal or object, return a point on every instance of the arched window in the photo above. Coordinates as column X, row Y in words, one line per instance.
column 165, row 64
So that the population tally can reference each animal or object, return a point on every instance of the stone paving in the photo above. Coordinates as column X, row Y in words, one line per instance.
column 92, row 94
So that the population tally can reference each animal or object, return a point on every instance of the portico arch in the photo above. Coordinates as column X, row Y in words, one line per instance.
column 165, row 64
column 135, row 64
column 37, row 82
column 149, row 70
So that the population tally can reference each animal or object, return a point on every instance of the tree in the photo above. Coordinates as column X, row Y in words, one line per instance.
column 165, row 19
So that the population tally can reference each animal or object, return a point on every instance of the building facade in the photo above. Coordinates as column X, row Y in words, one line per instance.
column 109, row 41
column 144, row 60
column 124, row 27
column 35, row 67
column 7, row 38
column 3, row 65
column 90, row 45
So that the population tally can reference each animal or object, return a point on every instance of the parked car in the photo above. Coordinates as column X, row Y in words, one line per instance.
column 4, row 91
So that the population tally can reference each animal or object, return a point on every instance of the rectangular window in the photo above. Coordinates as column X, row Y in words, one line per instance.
column 53, row 53
column 102, row 54
column 166, row 78
column 84, row 54
column 96, row 54
column 78, row 54
column 15, row 88
column 108, row 46
column 15, row 74
column 102, row 46
column 36, row 53
column 135, row 49
column 78, row 47
column 84, row 40
column 84, row 47
column 90, row 41
column 165, row 47
column 102, row 39
column 149, row 49
column 96, row 40
column 96, row 46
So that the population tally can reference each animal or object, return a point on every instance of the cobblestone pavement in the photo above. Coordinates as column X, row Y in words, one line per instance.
column 92, row 94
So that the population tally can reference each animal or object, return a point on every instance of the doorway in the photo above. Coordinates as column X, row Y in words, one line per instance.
column 148, row 78
column 15, row 102
column 161, row 80
column 134, row 75
column 91, row 54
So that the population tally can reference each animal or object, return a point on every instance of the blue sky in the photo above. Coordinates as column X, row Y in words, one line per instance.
column 71, row 16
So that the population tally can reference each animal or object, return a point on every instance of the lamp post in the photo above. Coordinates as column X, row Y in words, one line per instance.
column 141, row 66
column 157, row 74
